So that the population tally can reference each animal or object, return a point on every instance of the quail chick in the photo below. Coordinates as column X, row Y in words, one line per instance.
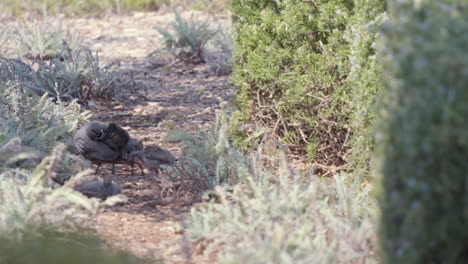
column 153, row 157
column 129, row 154
column 99, row 189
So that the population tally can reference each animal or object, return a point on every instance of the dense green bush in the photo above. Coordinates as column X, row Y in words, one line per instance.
column 424, row 137
column 307, row 70
column 290, row 64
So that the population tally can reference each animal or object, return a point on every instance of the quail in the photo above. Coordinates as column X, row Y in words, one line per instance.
column 99, row 189
column 115, row 137
column 91, row 139
column 153, row 157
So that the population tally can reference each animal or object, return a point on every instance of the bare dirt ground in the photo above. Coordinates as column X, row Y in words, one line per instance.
column 178, row 95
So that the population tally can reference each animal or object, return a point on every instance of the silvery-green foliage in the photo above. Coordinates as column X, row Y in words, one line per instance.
column 218, row 54
column 58, row 64
column 272, row 214
column 43, row 39
column 189, row 38
column 275, row 215
column 208, row 155
column 30, row 205
column 75, row 74
column 35, row 131
column 38, row 121
column 5, row 36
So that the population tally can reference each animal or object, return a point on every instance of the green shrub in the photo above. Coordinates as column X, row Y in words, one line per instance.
column 423, row 142
column 364, row 81
column 290, row 64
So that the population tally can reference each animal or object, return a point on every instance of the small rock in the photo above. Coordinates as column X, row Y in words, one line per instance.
column 153, row 104
column 119, row 107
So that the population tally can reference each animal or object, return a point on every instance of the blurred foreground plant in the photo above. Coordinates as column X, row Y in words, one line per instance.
column 423, row 133
column 53, row 247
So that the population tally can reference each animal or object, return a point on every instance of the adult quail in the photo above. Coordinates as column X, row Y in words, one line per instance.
column 91, row 139
column 99, row 189
column 115, row 137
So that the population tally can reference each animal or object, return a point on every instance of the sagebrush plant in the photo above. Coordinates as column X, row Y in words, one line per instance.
column 208, row 155
column 73, row 74
column 5, row 35
column 188, row 39
column 32, row 211
column 262, row 211
column 35, row 136
column 43, row 39
column 290, row 65
column 287, row 218
column 30, row 205
column 38, row 121
column 423, row 141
